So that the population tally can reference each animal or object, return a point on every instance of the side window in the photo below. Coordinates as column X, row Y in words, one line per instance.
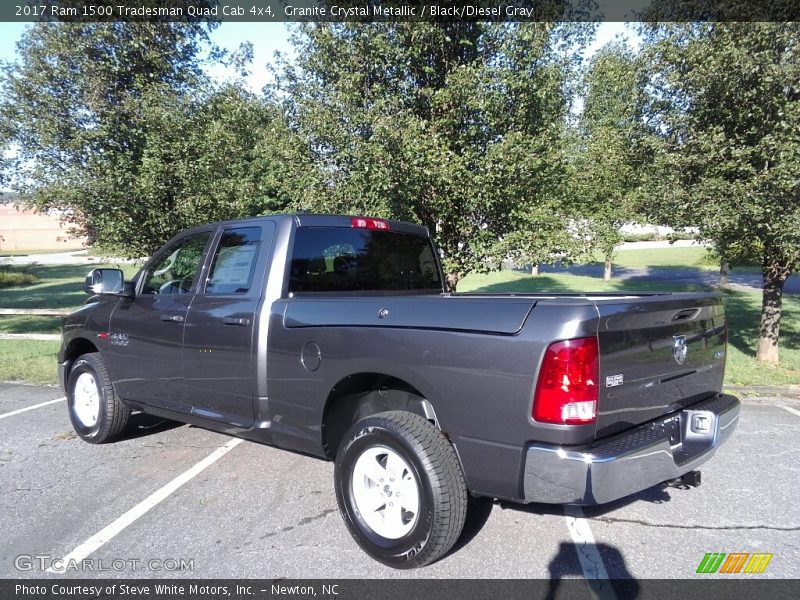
column 176, row 270
column 234, row 261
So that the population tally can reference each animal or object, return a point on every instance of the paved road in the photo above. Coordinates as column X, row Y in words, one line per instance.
column 747, row 280
column 261, row 512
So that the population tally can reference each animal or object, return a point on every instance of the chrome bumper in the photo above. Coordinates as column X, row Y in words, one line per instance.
column 631, row 461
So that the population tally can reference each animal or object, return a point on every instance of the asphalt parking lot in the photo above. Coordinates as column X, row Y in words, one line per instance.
column 259, row 512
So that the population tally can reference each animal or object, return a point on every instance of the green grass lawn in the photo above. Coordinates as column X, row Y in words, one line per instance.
column 57, row 286
column 743, row 309
column 28, row 360
column 693, row 257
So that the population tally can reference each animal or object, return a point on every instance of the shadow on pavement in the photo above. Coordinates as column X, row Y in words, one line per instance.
column 142, row 425
column 480, row 509
column 478, row 512
column 566, row 563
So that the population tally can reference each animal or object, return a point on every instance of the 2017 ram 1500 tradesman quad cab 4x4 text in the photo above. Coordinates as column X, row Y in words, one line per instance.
column 333, row 336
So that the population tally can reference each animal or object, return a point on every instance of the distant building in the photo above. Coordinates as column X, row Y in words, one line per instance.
column 24, row 229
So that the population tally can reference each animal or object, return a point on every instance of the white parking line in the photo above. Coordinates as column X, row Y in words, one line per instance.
column 794, row 411
column 108, row 532
column 26, row 409
column 591, row 562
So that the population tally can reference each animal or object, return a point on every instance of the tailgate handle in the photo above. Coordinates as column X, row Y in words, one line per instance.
column 686, row 315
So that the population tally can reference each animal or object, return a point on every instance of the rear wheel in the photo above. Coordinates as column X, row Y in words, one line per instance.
column 97, row 414
column 400, row 489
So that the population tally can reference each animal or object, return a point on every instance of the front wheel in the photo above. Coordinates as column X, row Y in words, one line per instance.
column 96, row 412
column 400, row 489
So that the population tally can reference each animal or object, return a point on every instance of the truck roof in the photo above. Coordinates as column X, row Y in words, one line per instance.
column 303, row 219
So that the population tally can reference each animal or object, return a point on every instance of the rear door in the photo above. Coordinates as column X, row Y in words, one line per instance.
column 658, row 355
column 219, row 341
column 146, row 331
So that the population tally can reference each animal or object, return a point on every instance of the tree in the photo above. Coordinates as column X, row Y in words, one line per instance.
column 610, row 162
column 75, row 108
column 532, row 165
column 117, row 122
column 726, row 101
column 214, row 159
column 547, row 218
column 425, row 122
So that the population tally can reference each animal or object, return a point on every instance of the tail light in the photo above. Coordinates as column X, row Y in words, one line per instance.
column 365, row 223
column 566, row 392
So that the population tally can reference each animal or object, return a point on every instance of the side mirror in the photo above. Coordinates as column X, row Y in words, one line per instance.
column 104, row 281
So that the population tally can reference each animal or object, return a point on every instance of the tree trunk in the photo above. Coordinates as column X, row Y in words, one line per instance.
column 451, row 282
column 723, row 275
column 771, row 301
column 534, row 268
column 607, row 268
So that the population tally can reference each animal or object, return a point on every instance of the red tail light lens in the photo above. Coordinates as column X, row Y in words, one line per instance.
column 566, row 392
column 365, row 223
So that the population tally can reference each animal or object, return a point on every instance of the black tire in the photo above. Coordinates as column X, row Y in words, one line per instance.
column 442, row 490
column 112, row 414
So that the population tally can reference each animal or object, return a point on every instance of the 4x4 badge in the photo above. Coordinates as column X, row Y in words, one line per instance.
column 679, row 349
column 118, row 339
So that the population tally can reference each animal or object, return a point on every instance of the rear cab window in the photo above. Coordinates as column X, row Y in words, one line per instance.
column 338, row 259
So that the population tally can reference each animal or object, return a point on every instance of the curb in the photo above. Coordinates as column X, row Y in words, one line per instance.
column 49, row 337
column 792, row 391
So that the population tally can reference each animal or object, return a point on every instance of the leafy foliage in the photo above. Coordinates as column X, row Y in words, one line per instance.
column 611, row 158
column 454, row 125
column 117, row 122
column 725, row 99
column 11, row 276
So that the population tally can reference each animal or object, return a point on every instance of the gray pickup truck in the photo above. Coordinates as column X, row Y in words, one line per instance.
column 332, row 336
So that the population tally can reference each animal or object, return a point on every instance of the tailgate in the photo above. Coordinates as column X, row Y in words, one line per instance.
column 658, row 355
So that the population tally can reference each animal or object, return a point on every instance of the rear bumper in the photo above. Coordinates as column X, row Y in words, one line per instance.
column 631, row 461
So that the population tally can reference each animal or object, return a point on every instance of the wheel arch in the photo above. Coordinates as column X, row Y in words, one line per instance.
column 360, row 395
column 76, row 348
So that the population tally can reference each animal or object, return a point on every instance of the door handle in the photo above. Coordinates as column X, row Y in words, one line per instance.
column 235, row 321
column 173, row 318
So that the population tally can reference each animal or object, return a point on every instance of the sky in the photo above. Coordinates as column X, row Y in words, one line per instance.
column 267, row 38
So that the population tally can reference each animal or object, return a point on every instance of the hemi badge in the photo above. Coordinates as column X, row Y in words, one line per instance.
column 103, row 335
column 614, row 380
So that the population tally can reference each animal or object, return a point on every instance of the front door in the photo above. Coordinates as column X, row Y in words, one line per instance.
column 219, row 342
column 146, row 332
